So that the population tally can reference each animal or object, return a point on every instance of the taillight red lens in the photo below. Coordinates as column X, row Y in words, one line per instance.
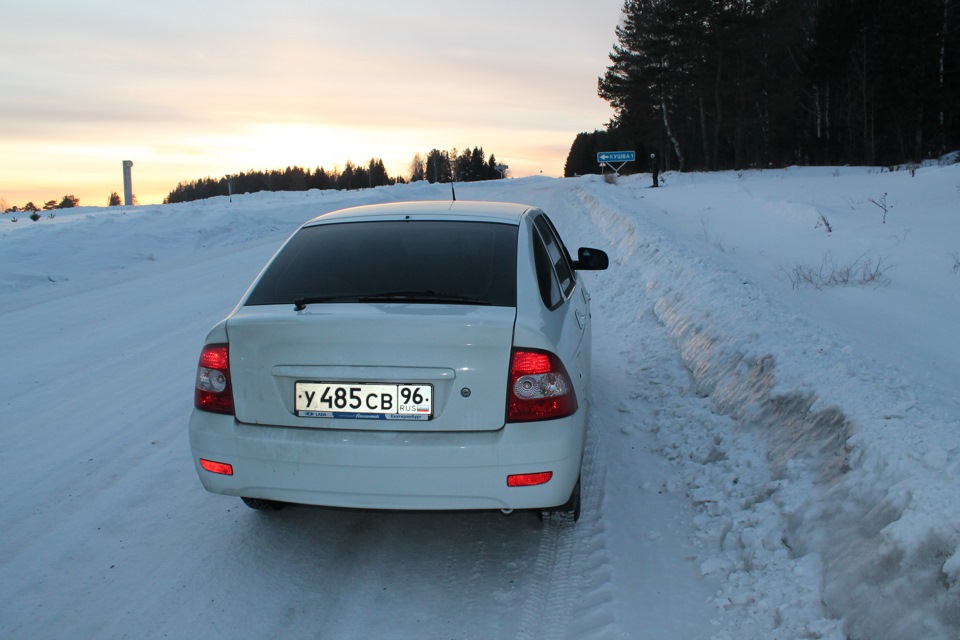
column 214, row 356
column 213, row 392
column 539, row 387
column 529, row 479
column 222, row 468
column 530, row 362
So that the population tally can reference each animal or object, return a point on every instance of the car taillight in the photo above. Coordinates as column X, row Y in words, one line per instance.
column 539, row 387
column 213, row 380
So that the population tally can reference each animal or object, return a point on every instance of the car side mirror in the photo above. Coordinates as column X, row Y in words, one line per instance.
column 591, row 259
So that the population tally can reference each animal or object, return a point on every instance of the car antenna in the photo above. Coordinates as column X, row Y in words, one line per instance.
column 453, row 178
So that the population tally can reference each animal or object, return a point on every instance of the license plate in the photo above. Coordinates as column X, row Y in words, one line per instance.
column 364, row 401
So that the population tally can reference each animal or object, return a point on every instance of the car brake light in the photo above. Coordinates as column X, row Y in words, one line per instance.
column 213, row 392
column 217, row 467
column 529, row 479
column 539, row 387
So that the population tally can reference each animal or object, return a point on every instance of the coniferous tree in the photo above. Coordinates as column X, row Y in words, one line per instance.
column 475, row 165
column 378, row 173
column 347, row 176
column 438, row 166
column 744, row 83
column 491, row 170
column 582, row 158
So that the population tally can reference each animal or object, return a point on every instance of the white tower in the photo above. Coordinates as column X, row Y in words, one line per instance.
column 127, row 183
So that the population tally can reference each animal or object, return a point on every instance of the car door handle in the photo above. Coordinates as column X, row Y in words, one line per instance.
column 581, row 319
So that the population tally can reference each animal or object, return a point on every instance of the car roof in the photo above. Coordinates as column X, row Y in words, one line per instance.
column 502, row 212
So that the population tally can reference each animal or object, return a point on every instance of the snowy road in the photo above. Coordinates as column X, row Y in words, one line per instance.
column 703, row 518
column 108, row 534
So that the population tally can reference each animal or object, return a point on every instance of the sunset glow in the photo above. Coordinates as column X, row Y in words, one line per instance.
column 189, row 91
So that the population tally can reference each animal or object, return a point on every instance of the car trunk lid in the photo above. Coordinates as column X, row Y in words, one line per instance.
column 386, row 367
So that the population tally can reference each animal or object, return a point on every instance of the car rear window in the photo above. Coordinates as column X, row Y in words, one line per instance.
column 415, row 261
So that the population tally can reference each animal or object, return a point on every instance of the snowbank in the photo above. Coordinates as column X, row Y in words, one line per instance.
column 833, row 471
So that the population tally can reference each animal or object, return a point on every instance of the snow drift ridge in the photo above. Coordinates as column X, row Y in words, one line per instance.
column 844, row 523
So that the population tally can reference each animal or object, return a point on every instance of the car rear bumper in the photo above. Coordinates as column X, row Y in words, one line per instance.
column 391, row 470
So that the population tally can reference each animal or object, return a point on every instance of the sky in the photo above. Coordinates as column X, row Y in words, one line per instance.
column 188, row 90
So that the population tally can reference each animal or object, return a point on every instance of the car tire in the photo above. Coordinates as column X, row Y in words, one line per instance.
column 263, row 505
column 568, row 512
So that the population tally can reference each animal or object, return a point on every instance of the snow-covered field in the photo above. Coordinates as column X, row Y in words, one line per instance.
column 773, row 453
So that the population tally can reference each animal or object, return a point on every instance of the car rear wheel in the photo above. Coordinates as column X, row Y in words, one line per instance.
column 568, row 512
column 263, row 505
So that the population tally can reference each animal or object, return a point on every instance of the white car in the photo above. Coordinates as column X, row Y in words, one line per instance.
column 419, row 355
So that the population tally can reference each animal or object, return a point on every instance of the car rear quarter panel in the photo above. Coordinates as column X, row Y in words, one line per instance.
column 558, row 330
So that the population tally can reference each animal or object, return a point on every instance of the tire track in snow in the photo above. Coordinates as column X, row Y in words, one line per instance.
column 553, row 556
column 571, row 593
column 464, row 589
column 593, row 613
column 556, row 601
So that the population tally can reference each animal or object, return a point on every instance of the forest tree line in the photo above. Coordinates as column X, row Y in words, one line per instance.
column 437, row 166
column 733, row 84
column 68, row 202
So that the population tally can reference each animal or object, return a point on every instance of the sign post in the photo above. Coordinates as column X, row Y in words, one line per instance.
column 609, row 157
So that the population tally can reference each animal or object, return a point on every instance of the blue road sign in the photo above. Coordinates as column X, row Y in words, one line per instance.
column 616, row 156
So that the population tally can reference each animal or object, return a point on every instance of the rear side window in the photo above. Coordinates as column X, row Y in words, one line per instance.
column 546, row 275
column 554, row 272
column 420, row 261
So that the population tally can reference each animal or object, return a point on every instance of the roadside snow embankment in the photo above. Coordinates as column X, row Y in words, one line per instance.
column 854, row 492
